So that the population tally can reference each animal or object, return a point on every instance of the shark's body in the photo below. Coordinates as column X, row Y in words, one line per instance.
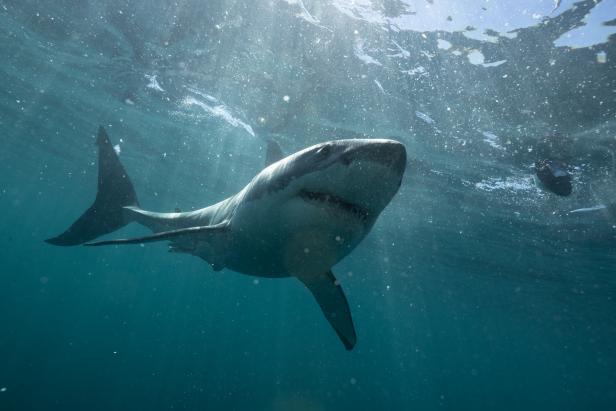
column 298, row 217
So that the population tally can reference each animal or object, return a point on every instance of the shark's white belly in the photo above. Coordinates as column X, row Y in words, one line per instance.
column 290, row 238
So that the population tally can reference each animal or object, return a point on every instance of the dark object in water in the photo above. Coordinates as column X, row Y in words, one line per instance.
column 554, row 176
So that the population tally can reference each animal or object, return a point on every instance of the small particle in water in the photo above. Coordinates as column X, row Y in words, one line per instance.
column 44, row 280
column 117, row 149
column 353, row 381
column 3, row 389
column 424, row 117
column 601, row 57
column 387, row 287
column 129, row 102
column 286, row 98
column 255, row 281
column 306, row 250
column 338, row 238
column 115, row 352
column 153, row 84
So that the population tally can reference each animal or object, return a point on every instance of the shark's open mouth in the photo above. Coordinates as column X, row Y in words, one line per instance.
column 334, row 201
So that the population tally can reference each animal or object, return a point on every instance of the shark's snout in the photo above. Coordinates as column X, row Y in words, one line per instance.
column 389, row 153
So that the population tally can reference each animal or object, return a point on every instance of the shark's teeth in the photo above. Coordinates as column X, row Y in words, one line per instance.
column 335, row 201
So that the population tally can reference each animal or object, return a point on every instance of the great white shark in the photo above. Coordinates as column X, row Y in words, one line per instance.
column 297, row 218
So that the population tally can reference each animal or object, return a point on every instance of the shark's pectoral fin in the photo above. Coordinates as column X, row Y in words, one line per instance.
column 328, row 293
column 189, row 233
column 208, row 242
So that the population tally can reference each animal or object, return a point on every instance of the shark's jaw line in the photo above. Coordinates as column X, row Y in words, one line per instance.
column 298, row 217
column 333, row 201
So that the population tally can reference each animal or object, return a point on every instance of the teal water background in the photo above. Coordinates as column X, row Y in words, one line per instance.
column 476, row 288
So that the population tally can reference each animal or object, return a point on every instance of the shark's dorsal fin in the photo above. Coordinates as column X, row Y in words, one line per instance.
column 330, row 297
column 208, row 242
column 274, row 152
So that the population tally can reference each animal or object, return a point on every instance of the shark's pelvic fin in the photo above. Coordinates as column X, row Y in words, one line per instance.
column 274, row 152
column 210, row 242
column 115, row 191
column 330, row 297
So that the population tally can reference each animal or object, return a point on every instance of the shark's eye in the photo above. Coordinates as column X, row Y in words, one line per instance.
column 324, row 150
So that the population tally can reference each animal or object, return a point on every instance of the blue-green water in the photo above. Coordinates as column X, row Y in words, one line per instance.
column 476, row 288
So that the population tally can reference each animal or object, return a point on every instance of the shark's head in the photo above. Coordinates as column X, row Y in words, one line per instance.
column 357, row 177
column 320, row 201
column 353, row 179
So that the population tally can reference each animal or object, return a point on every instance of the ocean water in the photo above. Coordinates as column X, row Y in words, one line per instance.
column 477, row 287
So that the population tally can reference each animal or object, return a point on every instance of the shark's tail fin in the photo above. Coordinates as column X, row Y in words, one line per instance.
column 115, row 191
